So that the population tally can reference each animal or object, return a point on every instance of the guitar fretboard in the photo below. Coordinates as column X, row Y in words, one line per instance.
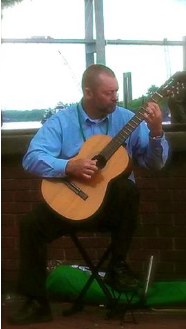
column 127, row 130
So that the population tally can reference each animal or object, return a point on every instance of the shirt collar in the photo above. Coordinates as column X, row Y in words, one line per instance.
column 87, row 119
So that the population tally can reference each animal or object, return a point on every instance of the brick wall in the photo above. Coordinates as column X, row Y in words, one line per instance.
column 162, row 228
column 161, row 231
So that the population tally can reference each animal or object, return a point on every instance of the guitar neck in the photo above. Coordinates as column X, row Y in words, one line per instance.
column 127, row 130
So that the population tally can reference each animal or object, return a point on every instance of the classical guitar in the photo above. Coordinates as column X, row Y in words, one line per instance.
column 78, row 199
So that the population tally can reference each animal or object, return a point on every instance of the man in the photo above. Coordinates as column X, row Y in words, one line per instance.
column 51, row 153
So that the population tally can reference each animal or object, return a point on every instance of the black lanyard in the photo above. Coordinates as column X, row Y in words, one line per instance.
column 81, row 128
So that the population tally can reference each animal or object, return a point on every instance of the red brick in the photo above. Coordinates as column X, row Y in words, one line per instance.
column 10, row 253
column 148, row 207
column 22, row 184
column 35, row 184
column 143, row 255
column 13, row 172
column 15, row 207
column 155, row 219
column 136, row 243
column 62, row 243
column 165, row 277
column 98, row 234
column 165, row 219
column 34, row 205
column 7, row 196
column 157, row 243
column 173, row 255
column 146, row 231
column 71, row 262
column 8, row 219
column 7, row 184
column 179, row 195
column 138, row 267
column 147, row 183
column 9, row 231
column 177, row 170
column 10, row 264
column 171, row 183
column 180, row 267
column 56, row 253
column 164, row 267
column 15, row 184
column 73, row 254
column 171, row 207
column 180, row 243
column 19, row 217
column 171, row 231
column 10, row 275
column 180, row 219
column 29, row 196
column 94, row 242
column 155, row 195
column 148, row 219
column 8, row 242
column 142, row 172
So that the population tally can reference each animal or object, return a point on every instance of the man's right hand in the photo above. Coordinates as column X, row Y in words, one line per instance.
column 81, row 168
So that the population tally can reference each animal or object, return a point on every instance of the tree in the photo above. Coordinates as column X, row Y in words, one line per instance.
column 135, row 104
column 151, row 91
column 9, row 3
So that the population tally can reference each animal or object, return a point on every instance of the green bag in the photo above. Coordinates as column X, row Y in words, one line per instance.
column 66, row 282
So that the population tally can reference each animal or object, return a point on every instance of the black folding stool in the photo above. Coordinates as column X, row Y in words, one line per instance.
column 112, row 301
column 79, row 302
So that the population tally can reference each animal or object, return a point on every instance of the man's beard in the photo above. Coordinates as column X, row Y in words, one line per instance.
column 107, row 110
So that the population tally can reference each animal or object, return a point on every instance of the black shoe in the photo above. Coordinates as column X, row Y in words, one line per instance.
column 120, row 277
column 31, row 312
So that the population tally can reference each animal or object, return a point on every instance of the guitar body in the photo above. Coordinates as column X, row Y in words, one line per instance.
column 70, row 205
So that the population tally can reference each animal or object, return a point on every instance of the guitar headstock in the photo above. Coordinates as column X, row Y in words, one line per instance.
column 174, row 85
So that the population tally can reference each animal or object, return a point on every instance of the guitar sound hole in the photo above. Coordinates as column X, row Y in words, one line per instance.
column 101, row 161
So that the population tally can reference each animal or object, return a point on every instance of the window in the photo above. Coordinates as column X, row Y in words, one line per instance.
column 40, row 76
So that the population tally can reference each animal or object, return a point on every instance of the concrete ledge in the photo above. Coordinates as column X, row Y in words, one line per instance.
column 15, row 142
column 177, row 140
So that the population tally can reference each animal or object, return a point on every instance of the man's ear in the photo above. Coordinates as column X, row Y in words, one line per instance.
column 88, row 93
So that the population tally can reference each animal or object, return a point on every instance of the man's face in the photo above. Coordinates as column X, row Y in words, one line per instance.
column 104, row 95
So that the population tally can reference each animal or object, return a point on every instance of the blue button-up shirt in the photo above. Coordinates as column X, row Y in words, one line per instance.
column 62, row 135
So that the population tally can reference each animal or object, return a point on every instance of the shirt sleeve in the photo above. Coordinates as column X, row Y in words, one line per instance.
column 147, row 151
column 157, row 153
column 42, row 157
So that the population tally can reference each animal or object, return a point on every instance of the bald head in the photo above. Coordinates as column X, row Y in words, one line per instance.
column 91, row 76
column 100, row 87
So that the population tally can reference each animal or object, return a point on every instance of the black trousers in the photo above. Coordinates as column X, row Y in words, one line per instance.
column 118, row 215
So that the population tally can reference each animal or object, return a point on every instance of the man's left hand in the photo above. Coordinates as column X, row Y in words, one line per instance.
column 153, row 117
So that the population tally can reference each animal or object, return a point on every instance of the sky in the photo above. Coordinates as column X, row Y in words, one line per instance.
column 40, row 76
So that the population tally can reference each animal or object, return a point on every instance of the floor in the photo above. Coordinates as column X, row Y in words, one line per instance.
column 95, row 317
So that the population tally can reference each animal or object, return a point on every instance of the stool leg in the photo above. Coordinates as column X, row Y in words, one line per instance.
column 129, row 301
column 120, row 308
column 78, row 305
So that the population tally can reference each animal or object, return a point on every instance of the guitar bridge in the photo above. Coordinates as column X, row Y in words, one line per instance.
column 75, row 188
